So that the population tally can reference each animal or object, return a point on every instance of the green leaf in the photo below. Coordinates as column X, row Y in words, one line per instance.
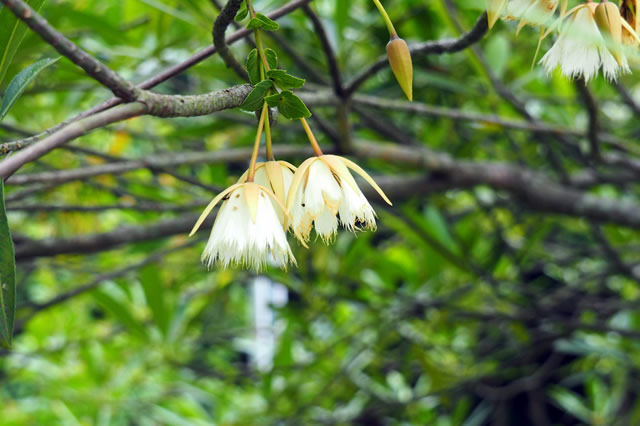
column 341, row 17
column 151, row 281
column 255, row 100
column 272, row 58
column 253, row 69
column 284, row 80
column 571, row 403
column 20, row 82
column 261, row 21
column 289, row 105
column 121, row 312
column 12, row 31
column 7, row 277
column 242, row 13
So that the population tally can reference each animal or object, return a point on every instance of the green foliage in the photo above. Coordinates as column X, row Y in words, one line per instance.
column 288, row 104
column 253, row 65
column 255, row 99
column 262, row 22
column 284, row 80
column 7, row 277
column 242, row 12
column 12, row 31
column 20, row 82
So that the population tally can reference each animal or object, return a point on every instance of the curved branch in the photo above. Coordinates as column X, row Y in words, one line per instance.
column 226, row 16
column 94, row 68
column 150, row 83
column 149, row 103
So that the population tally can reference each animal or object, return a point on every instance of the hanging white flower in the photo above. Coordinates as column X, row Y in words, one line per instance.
column 276, row 176
column 247, row 230
column 322, row 188
column 581, row 49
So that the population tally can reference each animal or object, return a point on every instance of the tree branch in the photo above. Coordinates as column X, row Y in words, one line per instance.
column 94, row 68
column 534, row 189
column 152, row 82
column 174, row 159
column 149, row 103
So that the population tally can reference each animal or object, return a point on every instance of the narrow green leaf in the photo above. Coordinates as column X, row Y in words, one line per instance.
column 284, row 80
column 12, row 31
column 154, row 294
column 121, row 312
column 20, row 82
column 7, row 277
column 242, row 13
column 263, row 22
column 289, row 105
column 571, row 403
column 341, row 17
column 255, row 100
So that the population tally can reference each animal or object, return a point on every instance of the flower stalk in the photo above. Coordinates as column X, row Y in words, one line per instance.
column 387, row 20
column 263, row 69
column 256, row 145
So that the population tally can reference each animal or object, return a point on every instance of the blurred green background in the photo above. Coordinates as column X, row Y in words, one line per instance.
column 466, row 307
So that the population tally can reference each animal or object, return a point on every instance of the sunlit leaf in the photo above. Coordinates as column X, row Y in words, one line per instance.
column 20, row 82
column 12, row 31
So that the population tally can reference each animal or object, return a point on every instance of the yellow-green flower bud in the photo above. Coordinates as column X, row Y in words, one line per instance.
column 400, row 61
column 608, row 19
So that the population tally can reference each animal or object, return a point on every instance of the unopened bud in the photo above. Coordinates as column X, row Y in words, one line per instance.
column 400, row 61
column 628, row 12
column 609, row 22
column 494, row 11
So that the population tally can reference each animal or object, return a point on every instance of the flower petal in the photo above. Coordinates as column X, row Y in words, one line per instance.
column 251, row 193
column 245, row 175
column 210, row 207
column 276, row 180
column 301, row 173
column 287, row 216
column 353, row 166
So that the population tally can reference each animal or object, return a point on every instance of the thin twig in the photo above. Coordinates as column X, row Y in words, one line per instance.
column 225, row 17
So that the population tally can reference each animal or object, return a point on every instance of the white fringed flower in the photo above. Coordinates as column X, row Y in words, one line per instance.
column 276, row 176
column 528, row 12
column 247, row 230
column 581, row 50
column 322, row 188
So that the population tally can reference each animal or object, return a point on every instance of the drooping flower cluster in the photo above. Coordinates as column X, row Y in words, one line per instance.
column 250, row 228
column 591, row 36
column 274, row 197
